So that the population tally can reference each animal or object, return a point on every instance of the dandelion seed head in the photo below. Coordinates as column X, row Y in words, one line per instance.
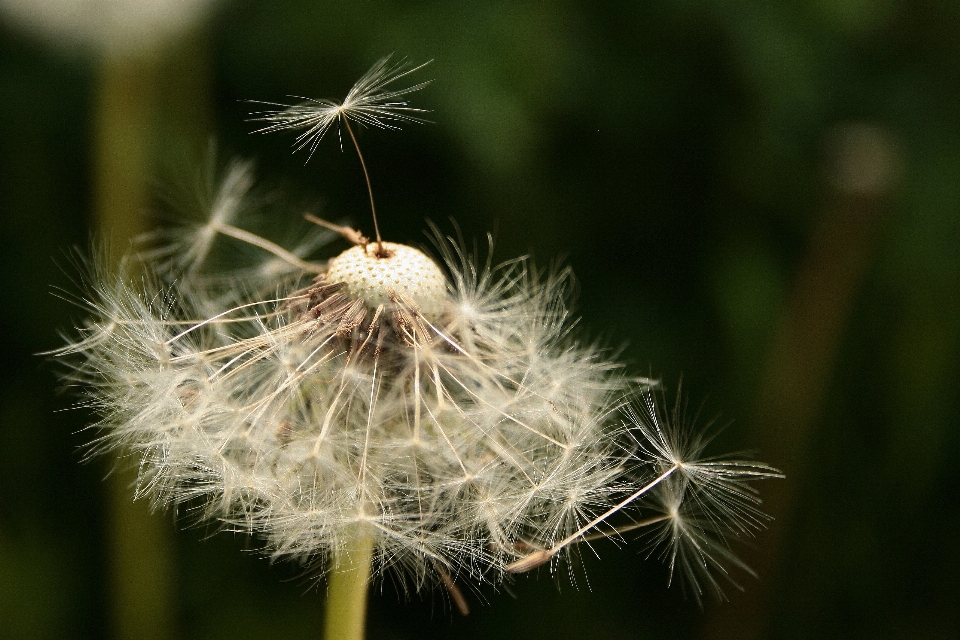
column 450, row 415
column 381, row 273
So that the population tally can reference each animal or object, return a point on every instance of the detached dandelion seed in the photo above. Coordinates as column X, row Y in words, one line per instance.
column 380, row 412
column 369, row 103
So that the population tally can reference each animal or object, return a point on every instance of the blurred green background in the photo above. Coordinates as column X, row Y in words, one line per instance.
column 762, row 197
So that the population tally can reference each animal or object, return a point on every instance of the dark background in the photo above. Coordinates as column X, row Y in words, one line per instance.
column 762, row 197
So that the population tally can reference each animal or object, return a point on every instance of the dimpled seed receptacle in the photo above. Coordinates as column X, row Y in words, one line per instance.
column 405, row 272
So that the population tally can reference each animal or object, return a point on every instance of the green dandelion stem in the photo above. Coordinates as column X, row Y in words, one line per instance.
column 347, row 592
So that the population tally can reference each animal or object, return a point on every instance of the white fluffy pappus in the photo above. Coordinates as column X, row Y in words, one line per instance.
column 448, row 415
column 475, row 440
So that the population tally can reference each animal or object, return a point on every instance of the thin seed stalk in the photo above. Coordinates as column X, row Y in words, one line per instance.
column 347, row 591
column 366, row 175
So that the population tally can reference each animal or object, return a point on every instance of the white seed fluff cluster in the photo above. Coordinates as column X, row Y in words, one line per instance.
column 458, row 438
column 448, row 415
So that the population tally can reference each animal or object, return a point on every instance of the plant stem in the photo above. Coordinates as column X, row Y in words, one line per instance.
column 347, row 591
column 140, row 545
column 123, row 148
column 366, row 175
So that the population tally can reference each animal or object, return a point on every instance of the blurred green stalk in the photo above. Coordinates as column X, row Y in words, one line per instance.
column 147, row 108
column 139, row 544
column 124, row 116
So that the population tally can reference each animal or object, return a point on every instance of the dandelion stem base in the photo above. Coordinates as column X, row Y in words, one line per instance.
column 347, row 592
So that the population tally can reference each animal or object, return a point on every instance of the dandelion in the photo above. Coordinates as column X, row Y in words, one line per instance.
column 383, row 411
column 369, row 103
column 121, row 27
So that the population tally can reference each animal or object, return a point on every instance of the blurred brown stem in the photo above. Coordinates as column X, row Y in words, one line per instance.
column 800, row 360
